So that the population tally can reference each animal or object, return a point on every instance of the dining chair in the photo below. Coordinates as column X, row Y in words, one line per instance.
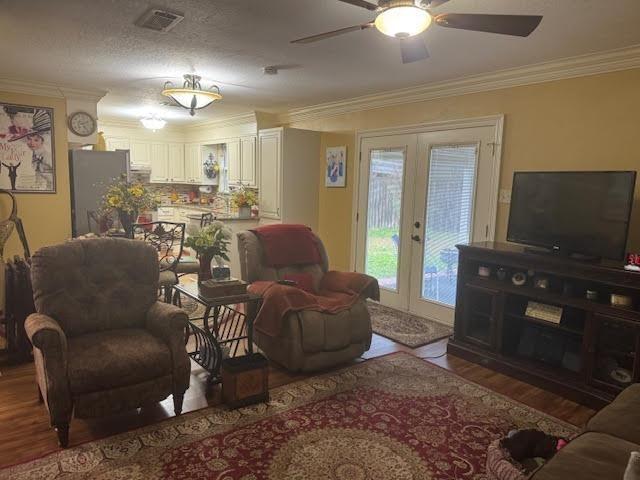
column 206, row 219
column 168, row 240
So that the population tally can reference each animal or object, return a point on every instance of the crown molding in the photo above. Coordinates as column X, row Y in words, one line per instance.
column 579, row 66
column 43, row 89
column 240, row 119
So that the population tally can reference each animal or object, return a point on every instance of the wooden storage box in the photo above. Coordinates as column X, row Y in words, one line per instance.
column 224, row 288
column 245, row 380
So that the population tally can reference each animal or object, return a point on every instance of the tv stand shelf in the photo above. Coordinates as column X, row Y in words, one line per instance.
column 590, row 356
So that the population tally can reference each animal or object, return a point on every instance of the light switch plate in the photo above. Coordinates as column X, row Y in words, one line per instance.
column 505, row 196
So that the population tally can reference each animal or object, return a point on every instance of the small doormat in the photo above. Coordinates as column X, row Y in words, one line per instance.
column 405, row 328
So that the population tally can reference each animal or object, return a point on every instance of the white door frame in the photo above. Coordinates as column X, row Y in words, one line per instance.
column 496, row 121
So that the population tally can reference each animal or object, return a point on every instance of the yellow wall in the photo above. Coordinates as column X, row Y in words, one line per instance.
column 336, row 203
column 588, row 123
column 46, row 217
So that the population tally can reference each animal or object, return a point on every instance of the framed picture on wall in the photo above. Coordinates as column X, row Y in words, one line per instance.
column 336, row 167
column 27, row 154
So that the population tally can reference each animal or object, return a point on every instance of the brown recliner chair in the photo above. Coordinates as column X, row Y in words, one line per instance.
column 309, row 340
column 102, row 342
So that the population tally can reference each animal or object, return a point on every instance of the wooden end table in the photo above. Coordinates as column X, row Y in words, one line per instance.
column 224, row 327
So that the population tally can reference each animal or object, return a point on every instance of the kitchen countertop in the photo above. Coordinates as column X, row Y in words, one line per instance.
column 207, row 209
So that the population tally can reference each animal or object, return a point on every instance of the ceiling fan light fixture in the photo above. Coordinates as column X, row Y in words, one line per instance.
column 403, row 21
column 192, row 96
column 153, row 122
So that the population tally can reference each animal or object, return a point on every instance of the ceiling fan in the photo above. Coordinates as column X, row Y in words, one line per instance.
column 405, row 19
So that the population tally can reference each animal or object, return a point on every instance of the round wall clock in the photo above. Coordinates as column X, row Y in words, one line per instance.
column 82, row 124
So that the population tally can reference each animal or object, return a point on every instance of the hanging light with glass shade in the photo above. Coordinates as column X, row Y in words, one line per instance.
column 192, row 96
column 153, row 122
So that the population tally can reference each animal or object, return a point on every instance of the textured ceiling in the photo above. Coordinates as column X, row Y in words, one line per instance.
column 94, row 44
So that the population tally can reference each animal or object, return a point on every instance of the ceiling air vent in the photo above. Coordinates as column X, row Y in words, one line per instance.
column 159, row 20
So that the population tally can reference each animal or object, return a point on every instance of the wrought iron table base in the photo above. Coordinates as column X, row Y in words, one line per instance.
column 224, row 329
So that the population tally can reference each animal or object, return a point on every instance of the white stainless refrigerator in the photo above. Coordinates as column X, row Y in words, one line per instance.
column 91, row 174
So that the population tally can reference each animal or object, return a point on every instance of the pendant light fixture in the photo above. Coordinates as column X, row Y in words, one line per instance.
column 191, row 96
column 153, row 122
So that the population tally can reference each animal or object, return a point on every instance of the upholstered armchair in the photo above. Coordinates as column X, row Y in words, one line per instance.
column 309, row 340
column 102, row 342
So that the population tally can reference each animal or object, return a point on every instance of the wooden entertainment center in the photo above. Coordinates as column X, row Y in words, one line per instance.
column 589, row 356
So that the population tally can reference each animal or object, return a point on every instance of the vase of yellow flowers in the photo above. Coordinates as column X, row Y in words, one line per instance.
column 127, row 199
column 244, row 199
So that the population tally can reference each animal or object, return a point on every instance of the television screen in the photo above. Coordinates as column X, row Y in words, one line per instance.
column 574, row 212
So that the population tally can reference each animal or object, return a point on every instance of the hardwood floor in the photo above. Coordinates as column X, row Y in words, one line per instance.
column 24, row 424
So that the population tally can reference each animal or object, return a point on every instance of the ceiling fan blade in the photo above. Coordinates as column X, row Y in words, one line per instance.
column 334, row 33
column 516, row 25
column 361, row 3
column 413, row 49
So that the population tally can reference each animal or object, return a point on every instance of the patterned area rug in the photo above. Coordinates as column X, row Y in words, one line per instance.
column 405, row 328
column 392, row 418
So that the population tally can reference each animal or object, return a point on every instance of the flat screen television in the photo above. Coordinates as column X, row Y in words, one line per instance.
column 576, row 213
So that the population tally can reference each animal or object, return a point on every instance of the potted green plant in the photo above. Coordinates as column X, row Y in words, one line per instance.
column 210, row 242
column 127, row 199
column 244, row 199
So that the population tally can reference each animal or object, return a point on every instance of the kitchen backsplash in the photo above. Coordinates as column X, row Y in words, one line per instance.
column 169, row 194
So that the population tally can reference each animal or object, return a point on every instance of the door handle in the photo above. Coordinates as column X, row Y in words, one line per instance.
column 417, row 224
column 415, row 238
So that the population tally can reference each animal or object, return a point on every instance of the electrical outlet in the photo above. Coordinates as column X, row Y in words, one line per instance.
column 505, row 196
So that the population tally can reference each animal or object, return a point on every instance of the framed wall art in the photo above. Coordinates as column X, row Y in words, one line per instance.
column 27, row 153
column 336, row 168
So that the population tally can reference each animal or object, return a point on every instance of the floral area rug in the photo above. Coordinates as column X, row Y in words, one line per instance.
column 405, row 328
column 391, row 418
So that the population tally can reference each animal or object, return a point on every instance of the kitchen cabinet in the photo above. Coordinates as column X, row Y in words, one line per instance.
column 241, row 161
column 248, row 165
column 289, row 177
column 237, row 226
column 234, row 169
column 270, row 164
column 176, row 163
column 167, row 163
column 159, row 162
column 117, row 143
column 165, row 214
column 193, row 163
column 140, row 153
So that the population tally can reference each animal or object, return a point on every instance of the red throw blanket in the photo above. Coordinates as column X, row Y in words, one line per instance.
column 338, row 291
column 288, row 244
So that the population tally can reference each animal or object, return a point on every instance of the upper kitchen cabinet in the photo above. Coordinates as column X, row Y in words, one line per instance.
column 159, row 163
column 234, row 167
column 270, row 153
column 193, row 163
column 248, row 172
column 289, row 175
column 167, row 163
column 140, row 154
column 176, row 163
column 241, row 161
column 117, row 143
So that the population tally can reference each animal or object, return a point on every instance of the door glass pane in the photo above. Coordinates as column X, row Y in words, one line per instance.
column 450, row 192
column 384, row 211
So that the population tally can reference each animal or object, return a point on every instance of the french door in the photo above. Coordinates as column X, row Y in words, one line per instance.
column 418, row 196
